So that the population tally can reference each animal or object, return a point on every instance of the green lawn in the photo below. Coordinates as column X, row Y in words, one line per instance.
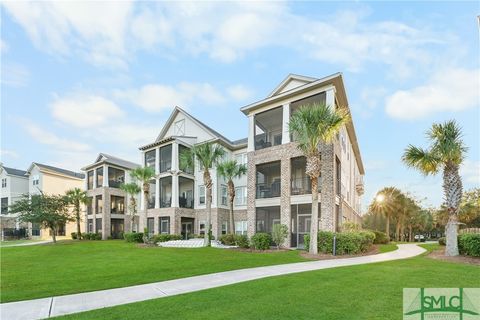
column 387, row 247
column 14, row 242
column 372, row 291
column 71, row 267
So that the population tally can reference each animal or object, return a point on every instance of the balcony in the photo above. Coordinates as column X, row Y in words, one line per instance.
column 301, row 186
column 268, row 180
column 268, row 128
column 359, row 185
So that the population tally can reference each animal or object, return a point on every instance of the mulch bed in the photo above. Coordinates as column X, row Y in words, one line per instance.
column 440, row 255
column 322, row 256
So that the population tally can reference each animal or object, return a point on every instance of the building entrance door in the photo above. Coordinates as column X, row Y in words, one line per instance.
column 303, row 228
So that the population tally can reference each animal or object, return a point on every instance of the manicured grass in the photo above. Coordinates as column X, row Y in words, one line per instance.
column 79, row 266
column 372, row 291
column 14, row 242
column 387, row 247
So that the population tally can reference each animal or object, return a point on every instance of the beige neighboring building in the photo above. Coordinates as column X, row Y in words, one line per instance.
column 52, row 180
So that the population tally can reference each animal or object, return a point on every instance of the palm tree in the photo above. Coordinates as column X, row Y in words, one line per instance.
column 446, row 152
column 77, row 197
column 131, row 189
column 230, row 170
column 208, row 156
column 144, row 175
column 386, row 203
column 311, row 126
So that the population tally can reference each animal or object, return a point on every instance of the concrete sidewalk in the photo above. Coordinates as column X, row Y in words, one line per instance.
column 61, row 305
column 33, row 243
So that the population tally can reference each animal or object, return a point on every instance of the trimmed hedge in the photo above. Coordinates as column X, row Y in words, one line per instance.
column 92, row 236
column 380, row 237
column 166, row 237
column 74, row 235
column 442, row 241
column 346, row 242
column 235, row 240
column 261, row 241
column 469, row 244
column 133, row 237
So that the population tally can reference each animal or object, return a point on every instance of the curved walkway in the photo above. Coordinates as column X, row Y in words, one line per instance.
column 33, row 243
column 61, row 305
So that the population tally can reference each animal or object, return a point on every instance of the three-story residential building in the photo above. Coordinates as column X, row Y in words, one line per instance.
column 14, row 185
column 107, row 210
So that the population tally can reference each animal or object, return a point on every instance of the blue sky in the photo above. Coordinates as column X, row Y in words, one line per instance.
column 82, row 78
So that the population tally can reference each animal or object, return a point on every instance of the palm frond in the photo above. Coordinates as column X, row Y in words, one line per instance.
column 423, row 160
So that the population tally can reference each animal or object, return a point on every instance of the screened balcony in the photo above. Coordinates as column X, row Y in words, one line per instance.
column 150, row 158
column 165, row 162
column 182, row 149
column 151, row 194
column 268, row 128
column 116, row 177
column 165, row 192
column 266, row 218
column 319, row 98
column 185, row 188
column 300, row 182
column 268, row 180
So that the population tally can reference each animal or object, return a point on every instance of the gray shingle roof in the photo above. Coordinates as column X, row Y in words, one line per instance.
column 15, row 172
column 61, row 171
column 119, row 162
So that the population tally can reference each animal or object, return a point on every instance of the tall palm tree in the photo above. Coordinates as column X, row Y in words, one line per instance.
column 311, row 126
column 230, row 170
column 131, row 189
column 446, row 152
column 77, row 197
column 208, row 156
column 387, row 203
column 144, row 175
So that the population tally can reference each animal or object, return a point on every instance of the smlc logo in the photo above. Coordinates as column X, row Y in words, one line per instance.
column 441, row 303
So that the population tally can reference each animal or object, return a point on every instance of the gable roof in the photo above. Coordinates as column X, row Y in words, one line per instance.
column 44, row 167
column 15, row 172
column 106, row 158
column 290, row 78
column 214, row 133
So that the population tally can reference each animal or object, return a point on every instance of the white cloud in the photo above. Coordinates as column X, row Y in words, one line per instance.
column 470, row 172
column 14, row 75
column 239, row 92
column 9, row 153
column 84, row 110
column 159, row 97
column 452, row 89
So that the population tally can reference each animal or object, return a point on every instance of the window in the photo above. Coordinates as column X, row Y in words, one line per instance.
column 90, row 206
column 164, row 225
column 338, row 176
column 150, row 158
column 268, row 128
column 116, row 177
column 241, row 196
column 89, row 180
column 224, row 227
column 201, row 228
column 117, row 205
column 223, row 194
column 4, row 182
column 268, row 180
column 35, row 180
column 241, row 227
column 4, row 206
column 201, row 194
column 165, row 158
column 151, row 194
column 150, row 226
column 99, row 177
column 179, row 127
column 90, row 225
column 182, row 149
column 99, row 204
column 185, row 187
column 241, row 158
column 35, row 229
column 165, row 192
column 98, row 225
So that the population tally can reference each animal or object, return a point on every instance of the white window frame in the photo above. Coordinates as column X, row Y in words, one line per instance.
column 241, row 201
column 4, row 182
column 224, row 227
column 200, row 188
column 223, row 195
column 241, row 158
column 241, row 227
column 200, row 229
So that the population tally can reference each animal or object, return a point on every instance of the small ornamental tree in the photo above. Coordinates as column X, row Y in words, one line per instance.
column 50, row 211
column 279, row 234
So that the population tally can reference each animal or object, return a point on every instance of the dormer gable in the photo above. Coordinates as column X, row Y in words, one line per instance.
column 292, row 81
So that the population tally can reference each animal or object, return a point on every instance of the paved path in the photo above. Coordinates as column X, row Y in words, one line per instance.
column 61, row 305
column 33, row 243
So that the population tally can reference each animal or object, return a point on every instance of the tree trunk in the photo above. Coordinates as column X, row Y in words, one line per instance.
column 79, row 233
column 54, row 234
column 397, row 231
column 313, row 246
column 132, row 212
column 208, row 186
column 231, row 191
column 402, row 232
column 145, row 202
column 410, row 234
column 452, row 187
column 387, row 227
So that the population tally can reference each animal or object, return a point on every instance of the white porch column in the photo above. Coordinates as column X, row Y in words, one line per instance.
column 157, row 192
column 94, row 178
column 157, row 160
column 175, row 191
column 105, row 175
column 286, row 120
column 251, row 133
column 175, row 166
column 330, row 97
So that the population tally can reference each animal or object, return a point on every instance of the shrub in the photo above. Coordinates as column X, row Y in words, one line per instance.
column 74, row 235
column 261, row 241
column 242, row 241
column 228, row 239
column 469, row 244
column 92, row 236
column 279, row 234
column 109, row 238
column 350, row 226
column 368, row 238
column 97, row 236
column 133, row 237
column 346, row 242
column 442, row 241
column 380, row 238
column 166, row 237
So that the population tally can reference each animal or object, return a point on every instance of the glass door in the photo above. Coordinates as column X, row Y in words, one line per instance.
column 187, row 229
column 303, row 228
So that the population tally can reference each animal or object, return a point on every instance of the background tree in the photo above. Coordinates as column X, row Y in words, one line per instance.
column 77, row 197
column 132, row 189
column 446, row 152
column 230, row 170
column 311, row 126
column 386, row 203
column 144, row 175
column 50, row 211
column 208, row 155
